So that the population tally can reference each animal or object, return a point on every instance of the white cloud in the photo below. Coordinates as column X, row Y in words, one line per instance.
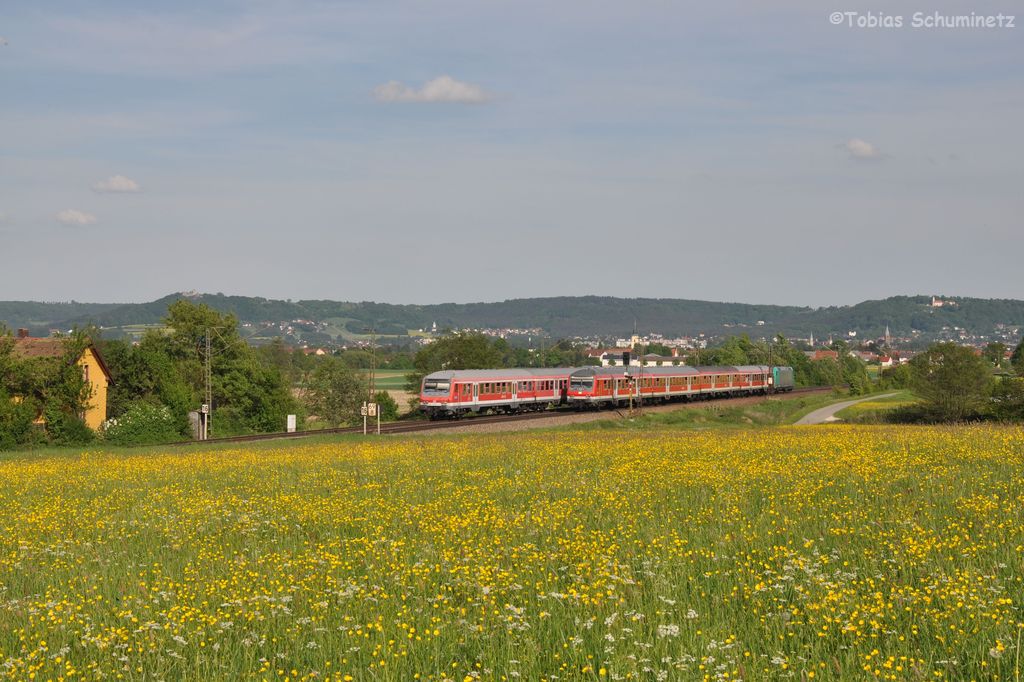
column 440, row 89
column 860, row 149
column 70, row 216
column 118, row 184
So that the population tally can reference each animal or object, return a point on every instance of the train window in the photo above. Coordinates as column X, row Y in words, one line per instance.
column 582, row 384
column 436, row 386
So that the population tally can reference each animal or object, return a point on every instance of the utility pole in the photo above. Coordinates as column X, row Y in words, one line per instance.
column 373, row 374
column 208, row 372
column 643, row 361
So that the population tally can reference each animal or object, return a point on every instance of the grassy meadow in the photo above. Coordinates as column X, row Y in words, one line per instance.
column 832, row 553
column 389, row 379
column 877, row 407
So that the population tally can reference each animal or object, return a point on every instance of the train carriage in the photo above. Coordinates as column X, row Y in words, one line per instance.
column 451, row 393
column 615, row 385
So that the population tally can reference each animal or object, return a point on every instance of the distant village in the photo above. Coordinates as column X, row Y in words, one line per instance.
column 886, row 350
column 322, row 337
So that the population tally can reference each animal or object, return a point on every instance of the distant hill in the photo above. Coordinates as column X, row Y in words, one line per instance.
column 558, row 317
column 36, row 315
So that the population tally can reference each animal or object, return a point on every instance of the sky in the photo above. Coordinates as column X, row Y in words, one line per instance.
column 425, row 152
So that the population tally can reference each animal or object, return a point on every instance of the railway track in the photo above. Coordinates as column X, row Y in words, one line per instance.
column 392, row 428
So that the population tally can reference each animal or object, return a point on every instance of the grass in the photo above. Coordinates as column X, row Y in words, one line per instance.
column 717, row 415
column 874, row 408
column 570, row 555
column 390, row 379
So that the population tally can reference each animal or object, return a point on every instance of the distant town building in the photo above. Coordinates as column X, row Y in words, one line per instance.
column 615, row 357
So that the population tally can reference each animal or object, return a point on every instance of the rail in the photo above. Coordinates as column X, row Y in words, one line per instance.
column 417, row 426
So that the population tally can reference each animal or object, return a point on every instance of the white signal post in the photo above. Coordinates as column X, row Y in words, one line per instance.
column 370, row 410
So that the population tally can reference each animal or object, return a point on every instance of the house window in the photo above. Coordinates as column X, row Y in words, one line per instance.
column 85, row 373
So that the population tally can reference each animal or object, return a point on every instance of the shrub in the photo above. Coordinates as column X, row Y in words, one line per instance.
column 1008, row 400
column 16, row 427
column 66, row 428
column 387, row 406
column 142, row 423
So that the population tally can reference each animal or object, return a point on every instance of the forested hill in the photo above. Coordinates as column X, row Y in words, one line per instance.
column 559, row 317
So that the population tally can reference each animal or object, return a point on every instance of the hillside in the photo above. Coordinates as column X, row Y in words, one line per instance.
column 557, row 317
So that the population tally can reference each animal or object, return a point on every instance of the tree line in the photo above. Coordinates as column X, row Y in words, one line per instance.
column 160, row 379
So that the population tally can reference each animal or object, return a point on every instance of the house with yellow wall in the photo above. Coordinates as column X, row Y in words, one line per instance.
column 94, row 371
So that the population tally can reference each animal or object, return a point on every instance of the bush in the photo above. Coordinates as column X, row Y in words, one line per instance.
column 142, row 424
column 1008, row 400
column 387, row 406
column 66, row 428
column 16, row 427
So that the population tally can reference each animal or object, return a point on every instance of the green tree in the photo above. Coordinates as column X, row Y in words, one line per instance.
column 147, row 373
column 334, row 392
column 16, row 422
column 994, row 352
column 278, row 354
column 855, row 374
column 953, row 381
column 1017, row 358
column 1008, row 399
column 455, row 351
column 897, row 376
column 248, row 394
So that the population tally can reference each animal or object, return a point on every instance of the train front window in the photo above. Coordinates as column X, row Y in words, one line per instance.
column 437, row 386
column 581, row 384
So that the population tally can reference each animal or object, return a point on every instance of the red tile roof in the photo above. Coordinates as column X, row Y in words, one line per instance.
column 30, row 347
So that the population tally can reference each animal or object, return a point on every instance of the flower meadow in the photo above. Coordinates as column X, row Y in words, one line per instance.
column 791, row 553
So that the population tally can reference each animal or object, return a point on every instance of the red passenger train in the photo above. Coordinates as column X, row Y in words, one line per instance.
column 451, row 393
column 615, row 385
column 455, row 392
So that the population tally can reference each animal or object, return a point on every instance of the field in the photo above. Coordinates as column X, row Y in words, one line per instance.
column 843, row 552
column 390, row 379
column 878, row 406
